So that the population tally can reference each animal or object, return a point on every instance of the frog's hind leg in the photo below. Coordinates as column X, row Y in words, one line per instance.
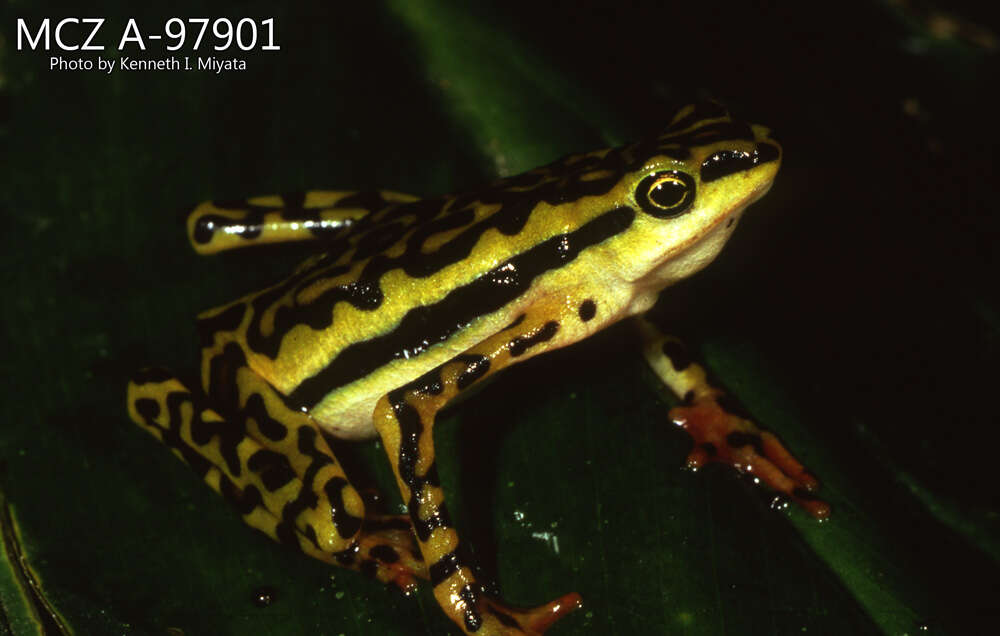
column 404, row 419
column 722, row 431
column 215, row 226
column 287, row 485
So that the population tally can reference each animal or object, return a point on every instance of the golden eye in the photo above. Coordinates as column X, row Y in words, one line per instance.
column 665, row 194
column 668, row 192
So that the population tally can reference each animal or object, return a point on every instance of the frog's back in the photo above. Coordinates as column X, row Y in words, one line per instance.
column 405, row 289
column 410, row 285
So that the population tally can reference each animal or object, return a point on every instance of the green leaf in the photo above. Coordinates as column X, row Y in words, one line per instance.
column 563, row 474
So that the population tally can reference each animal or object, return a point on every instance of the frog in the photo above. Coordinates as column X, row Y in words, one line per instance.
column 410, row 303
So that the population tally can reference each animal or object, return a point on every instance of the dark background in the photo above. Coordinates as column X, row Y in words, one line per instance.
column 855, row 312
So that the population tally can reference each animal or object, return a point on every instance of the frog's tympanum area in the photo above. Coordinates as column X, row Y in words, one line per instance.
column 414, row 301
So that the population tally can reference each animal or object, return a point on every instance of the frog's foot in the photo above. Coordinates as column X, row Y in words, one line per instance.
column 388, row 551
column 721, row 436
column 485, row 616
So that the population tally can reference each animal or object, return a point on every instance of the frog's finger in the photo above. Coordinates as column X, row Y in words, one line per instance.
column 721, row 429
column 774, row 449
column 723, row 437
column 405, row 419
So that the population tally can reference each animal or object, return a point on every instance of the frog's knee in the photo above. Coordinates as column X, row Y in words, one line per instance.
column 338, row 529
column 327, row 512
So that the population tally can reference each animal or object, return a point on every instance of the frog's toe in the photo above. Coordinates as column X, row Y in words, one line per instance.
column 721, row 436
column 389, row 552
column 501, row 620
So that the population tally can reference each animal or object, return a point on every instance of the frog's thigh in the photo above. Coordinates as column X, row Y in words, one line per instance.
column 721, row 429
column 271, row 462
column 404, row 419
column 215, row 226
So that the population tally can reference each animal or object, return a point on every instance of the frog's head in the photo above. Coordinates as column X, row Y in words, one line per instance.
column 688, row 187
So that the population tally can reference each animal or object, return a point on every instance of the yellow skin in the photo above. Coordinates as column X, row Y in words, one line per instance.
column 415, row 301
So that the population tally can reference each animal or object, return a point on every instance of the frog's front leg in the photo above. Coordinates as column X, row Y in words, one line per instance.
column 277, row 470
column 721, row 430
column 216, row 226
column 404, row 419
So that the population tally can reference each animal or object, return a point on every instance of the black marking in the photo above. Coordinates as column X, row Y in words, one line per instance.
column 287, row 534
column 274, row 469
column 476, row 366
column 677, row 354
column 440, row 518
column 310, row 534
column 379, row 239
column 365, row 292
column 414, row 222
column 244, row 500
column 226, row 321
column 347, row 524
column 422, row 327
column 428, row 216
column 445, row 567
column 710, row 449
column 268, row 426
column 731, row 405
column 250, row 224
column 411, row 426
column 587, row 310
column 148, row 408
column 429, row 383
column 263, row 596
column 364, row 295
column 473, row 619
column 170, row 435
column 516, row 322
column 222, row 386
column 727, row 162
column 384, row 553
column 520, row 344
column 739, row 440
column 229, row 433
column 689, row 397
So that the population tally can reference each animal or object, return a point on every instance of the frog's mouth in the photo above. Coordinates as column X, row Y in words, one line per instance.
column 698, row 251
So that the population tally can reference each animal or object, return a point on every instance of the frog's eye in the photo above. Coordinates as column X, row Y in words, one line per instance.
column 665, row 194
